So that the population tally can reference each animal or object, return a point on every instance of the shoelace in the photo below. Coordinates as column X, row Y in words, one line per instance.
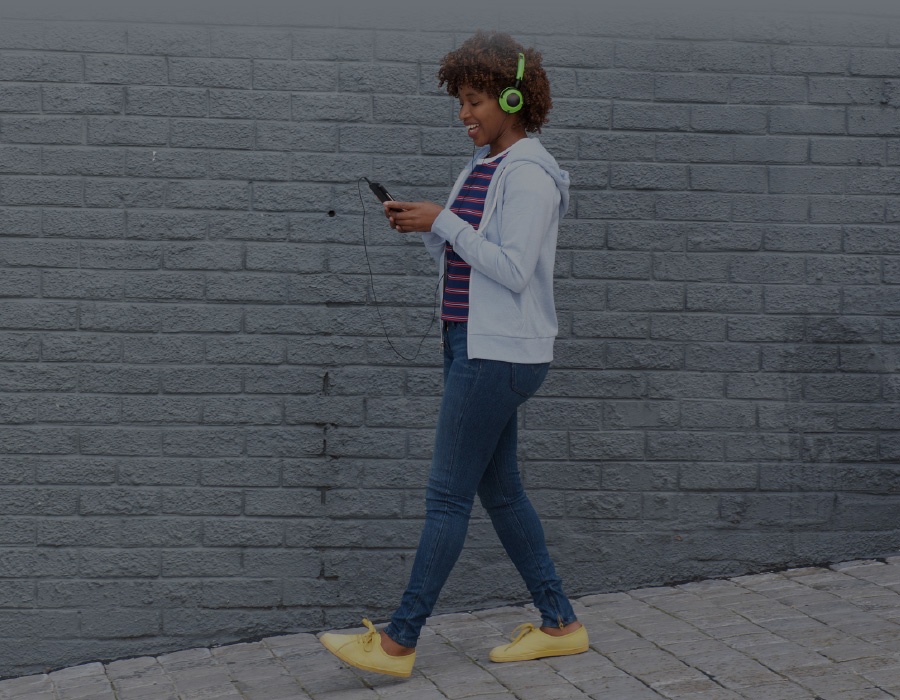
column 369, row 637
column 520, row 631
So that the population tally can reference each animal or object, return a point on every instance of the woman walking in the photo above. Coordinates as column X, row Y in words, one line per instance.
column 495, row 244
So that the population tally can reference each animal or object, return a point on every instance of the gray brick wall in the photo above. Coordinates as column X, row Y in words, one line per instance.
column 204, row 436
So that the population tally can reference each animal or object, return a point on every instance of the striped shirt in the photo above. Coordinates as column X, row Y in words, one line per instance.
column 469, row 206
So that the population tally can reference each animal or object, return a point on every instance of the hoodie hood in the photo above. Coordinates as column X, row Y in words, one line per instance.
column 533, row 151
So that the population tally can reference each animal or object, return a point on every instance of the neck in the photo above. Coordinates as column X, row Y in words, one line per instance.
column 507, row 137
column 505, row 142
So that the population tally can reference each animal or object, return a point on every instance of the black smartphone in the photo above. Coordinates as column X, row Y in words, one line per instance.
column 382, row 194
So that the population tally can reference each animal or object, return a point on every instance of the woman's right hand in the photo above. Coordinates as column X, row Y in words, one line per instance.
column 409, row 217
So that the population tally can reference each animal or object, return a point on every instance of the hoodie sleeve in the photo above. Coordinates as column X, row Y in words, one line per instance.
column 529, row 201
column 434, row 244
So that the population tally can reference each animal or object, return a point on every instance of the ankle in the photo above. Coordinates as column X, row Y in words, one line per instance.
column 391, row 648
column 560, row 631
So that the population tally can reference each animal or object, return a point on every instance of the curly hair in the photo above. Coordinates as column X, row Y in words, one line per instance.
column 487, row 62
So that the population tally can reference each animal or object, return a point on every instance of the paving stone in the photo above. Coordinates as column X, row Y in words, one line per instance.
column 776, row 691
column 26, row 684
column 95, row 690
column 843, row 566
column 353, row 694
column 275, row 693
column 132, row 667
column 625, row 688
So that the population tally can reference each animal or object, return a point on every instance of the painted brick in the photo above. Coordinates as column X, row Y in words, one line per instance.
column 729, row 119
column 170, row 163
column 211, row 134
column 284, row 75
column 42, row 130
column 686, row 328
column 695, row 148
column 168, row 40
column 799, row 238
column 653, row 56
column 125, row 70
column 20, row 283
column 275, row 136
column 610, row 84
column 81, row 285
column 771, row 149
column 44, row 67
column 690, row 267
column 636, row 176
column 809, row 59
column 249, row 105
column 728, row 298
column 242, row 43
column 846, row 151
column 20, row 160
column 124, row 193
column 873, row 122
column 119, row 255
column 781, row 208
column 166, row 225
column 111, row 131
column 22, row 35
column 165, row 102
column 653, row 117
column 250, row 166
column 713, row 207
column 82, row 99
column 37, row 253
column 816, row 120
column 849, row 210
column 98, row 162
column 20, row 98
column 210, row 73
column 208, row 195
column 361, row 77
column 793, row 299
column 343, row 45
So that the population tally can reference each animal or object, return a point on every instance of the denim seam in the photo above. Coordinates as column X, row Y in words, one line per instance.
column 521, row 532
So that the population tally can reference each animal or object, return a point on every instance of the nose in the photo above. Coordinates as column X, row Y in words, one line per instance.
column 463, row 113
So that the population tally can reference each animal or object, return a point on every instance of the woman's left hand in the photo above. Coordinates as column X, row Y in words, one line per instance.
column 407, row 217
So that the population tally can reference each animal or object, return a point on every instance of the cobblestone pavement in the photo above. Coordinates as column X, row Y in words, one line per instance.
column 802, row 634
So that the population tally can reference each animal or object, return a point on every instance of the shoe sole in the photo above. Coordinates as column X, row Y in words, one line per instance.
column 363, row 667
column 543, row 655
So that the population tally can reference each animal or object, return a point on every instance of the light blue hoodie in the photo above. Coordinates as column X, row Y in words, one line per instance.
column 512, row 316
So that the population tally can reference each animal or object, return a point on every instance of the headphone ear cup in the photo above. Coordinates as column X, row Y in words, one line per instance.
column 511, row 100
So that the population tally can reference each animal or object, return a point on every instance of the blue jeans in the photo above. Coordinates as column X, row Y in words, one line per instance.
column 475, row 452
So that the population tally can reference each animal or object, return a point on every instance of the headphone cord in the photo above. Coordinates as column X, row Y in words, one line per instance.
column 374, row 296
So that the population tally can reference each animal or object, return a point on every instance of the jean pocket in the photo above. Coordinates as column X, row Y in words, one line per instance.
column 525, row 380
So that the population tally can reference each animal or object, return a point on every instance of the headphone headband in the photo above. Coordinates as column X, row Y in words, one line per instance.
column 520, row 69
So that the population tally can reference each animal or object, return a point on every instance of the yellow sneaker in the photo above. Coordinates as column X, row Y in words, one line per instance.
column 364, row 651
column 529, row 642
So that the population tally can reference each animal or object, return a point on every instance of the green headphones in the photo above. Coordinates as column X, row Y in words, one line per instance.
column 511, row 100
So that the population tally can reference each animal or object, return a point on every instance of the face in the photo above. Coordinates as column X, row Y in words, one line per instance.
column 485, row 121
